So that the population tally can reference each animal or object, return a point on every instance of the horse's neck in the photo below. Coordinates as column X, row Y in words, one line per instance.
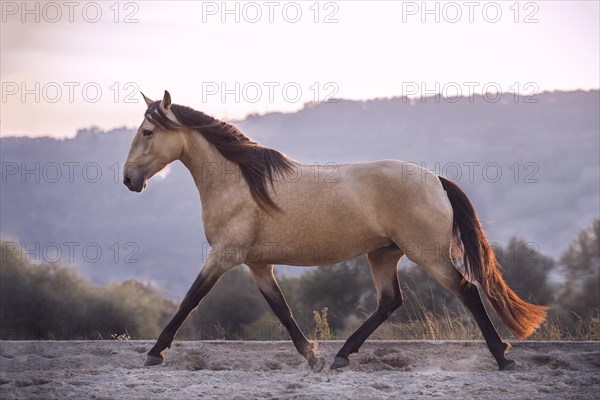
column 211, row 172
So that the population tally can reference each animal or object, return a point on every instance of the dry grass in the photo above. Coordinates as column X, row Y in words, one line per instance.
column 322, row 329
column 422, row 324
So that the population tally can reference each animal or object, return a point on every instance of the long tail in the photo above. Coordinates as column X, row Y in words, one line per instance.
column 520, row 317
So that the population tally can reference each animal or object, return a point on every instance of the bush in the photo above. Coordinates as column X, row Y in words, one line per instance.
column 51, row 301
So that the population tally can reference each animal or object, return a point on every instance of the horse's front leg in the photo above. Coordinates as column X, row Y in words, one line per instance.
column 267, row 284
column 212, row 271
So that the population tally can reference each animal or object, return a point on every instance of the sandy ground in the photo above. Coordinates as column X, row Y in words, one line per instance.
column 273, row 370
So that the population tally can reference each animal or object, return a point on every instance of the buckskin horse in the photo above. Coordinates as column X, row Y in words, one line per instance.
column 257, row 204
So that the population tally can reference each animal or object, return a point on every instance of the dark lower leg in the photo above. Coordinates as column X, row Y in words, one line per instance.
column 472, row 300
column 386, row 306
column 199, row 289
column 267, row 284
column 281, row 309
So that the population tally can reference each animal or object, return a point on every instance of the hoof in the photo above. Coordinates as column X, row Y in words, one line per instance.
column 508, row 365
column 339, row 362
column 317, row 364
column 152, row 360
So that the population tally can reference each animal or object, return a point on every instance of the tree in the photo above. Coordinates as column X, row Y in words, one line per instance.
column 581, row 267
column 526, row 271
column 342, row 288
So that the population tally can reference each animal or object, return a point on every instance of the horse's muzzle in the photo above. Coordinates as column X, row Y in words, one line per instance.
column 135, row 185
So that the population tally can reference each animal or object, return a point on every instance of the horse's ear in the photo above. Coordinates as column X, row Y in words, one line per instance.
column 147, row 100
column 165, row 104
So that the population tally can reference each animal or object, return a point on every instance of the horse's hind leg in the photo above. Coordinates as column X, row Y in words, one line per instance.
column 267, row 284
column 445, row 273
column 384, row 264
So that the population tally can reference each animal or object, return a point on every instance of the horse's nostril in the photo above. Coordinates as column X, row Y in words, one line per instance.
column 127, row 181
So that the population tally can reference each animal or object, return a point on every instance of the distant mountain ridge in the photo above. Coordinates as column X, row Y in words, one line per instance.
column 532, row 170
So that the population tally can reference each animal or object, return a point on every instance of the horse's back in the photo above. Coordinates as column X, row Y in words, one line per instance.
column 397, row 186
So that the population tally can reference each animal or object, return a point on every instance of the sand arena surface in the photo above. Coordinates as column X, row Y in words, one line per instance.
column 273, row 370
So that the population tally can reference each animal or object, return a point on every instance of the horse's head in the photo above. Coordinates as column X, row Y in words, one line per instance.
column 157, row 143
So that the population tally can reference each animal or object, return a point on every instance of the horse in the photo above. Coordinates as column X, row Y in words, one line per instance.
column 258, row 203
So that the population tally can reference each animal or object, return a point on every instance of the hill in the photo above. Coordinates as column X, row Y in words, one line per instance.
column 531, row 170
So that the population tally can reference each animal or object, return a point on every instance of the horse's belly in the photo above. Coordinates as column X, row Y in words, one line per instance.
column 314, row 251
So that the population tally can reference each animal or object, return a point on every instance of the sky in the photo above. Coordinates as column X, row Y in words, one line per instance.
column 66, row 66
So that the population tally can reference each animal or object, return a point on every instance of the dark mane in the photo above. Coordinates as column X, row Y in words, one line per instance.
column 259, row 165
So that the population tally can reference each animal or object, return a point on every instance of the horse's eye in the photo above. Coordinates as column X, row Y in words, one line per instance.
column 146, row 132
